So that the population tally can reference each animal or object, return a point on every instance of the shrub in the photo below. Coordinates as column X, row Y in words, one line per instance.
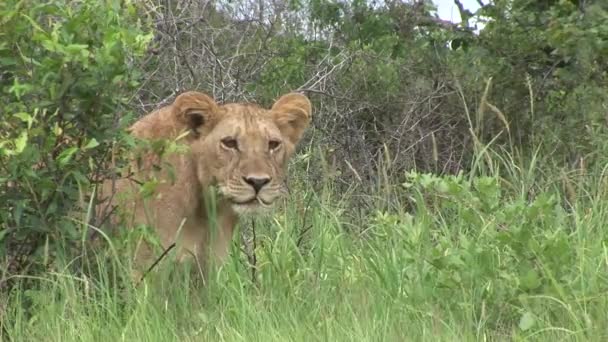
column 67, row 69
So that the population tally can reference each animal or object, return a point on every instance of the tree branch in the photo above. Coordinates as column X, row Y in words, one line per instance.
column 465, row 14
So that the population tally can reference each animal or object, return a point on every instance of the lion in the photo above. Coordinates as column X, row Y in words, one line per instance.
column 238, row 151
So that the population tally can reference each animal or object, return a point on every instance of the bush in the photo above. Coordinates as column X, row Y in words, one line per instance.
column 67, row 70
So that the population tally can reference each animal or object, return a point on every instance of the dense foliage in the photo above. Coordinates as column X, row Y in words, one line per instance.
column 67, row 71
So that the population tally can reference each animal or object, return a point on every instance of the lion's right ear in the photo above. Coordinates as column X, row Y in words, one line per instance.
column 196, row 110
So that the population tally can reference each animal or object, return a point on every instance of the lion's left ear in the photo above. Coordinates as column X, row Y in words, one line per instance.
column 292, row 114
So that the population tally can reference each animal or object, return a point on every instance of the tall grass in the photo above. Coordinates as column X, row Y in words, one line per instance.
column 505, row 253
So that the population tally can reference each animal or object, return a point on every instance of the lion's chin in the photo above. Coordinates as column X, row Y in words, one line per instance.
column 254, row 206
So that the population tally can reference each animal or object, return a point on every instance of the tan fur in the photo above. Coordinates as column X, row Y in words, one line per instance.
column 230, row 147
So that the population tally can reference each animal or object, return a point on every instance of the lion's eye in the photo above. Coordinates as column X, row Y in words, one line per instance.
column 274, row 144
column 230, row 143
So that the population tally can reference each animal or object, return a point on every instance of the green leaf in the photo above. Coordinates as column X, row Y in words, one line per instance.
column 25, row 117
column 21, row 142
column 527, row 321
column 3, row 233
column 49, row 45
column 91, row 144
column 147, row 189
column 65, row 156
column 530, row 280
column 7, row 61
column 4, row 151
column 77, row 49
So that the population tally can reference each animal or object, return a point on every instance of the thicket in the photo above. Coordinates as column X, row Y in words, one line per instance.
column 394, row 89
column 68, row 71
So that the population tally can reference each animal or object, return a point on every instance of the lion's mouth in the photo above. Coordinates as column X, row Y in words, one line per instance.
column 252, row 202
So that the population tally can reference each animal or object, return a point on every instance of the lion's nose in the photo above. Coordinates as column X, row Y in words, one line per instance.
column 257, row 182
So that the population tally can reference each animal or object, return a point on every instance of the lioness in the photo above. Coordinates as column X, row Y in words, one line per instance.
column 238, row 149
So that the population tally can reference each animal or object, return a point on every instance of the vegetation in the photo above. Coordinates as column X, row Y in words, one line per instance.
column 453, row 186
column 66, row 74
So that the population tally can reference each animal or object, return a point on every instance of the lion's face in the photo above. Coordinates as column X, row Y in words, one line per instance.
column 242, row 149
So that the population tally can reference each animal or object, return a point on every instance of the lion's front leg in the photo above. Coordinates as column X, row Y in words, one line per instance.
column 220, row 237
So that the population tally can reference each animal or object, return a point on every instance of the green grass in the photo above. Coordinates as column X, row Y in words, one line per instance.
column 459, row 258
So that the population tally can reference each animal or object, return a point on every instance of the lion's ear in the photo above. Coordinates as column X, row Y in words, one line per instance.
column 292, row 114
column 195, row 110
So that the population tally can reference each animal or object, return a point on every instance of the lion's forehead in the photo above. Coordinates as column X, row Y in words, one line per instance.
column 246, row 121
column 245, row 111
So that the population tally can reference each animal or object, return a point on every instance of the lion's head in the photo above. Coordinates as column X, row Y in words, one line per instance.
column 242, row 149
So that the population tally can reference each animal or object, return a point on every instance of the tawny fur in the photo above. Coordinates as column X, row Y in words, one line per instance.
column 229, row 145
